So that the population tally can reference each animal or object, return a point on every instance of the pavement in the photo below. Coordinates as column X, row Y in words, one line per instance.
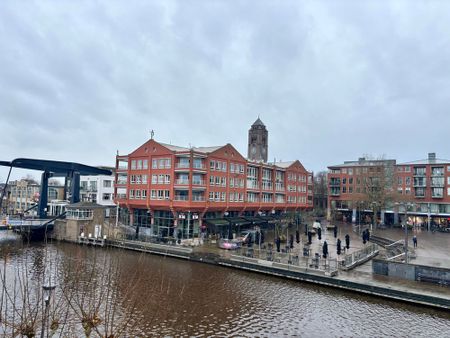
column 433, row 249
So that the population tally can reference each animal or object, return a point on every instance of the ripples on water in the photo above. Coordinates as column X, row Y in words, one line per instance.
column 193, row 299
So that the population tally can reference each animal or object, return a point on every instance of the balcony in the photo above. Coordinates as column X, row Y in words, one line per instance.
column 420, row 172
column 198, row 198
column 202, row 182
column 181, row 182
column 198, row 166
column 181, row 198
column 182, row 166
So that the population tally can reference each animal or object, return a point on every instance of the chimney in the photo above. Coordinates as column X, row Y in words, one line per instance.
column 432, row 156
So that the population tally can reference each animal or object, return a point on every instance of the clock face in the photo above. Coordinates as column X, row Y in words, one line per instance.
column 253, row 150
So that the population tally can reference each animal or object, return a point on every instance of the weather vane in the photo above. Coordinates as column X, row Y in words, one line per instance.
column 152, row 133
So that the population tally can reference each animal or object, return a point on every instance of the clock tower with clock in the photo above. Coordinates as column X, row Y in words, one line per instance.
column 258, row 142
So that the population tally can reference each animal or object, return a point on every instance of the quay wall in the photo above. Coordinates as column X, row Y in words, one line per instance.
column 284, row 271
column 412, row 272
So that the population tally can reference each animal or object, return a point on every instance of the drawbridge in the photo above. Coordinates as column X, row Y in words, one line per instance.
column 71, row 173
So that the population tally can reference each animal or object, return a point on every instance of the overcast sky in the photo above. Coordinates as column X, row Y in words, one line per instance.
column 332, row 80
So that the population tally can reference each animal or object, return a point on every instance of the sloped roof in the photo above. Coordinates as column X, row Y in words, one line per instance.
column 258, row 122
column 283, row 164
column 173, row 148
column 427, row 161
column 206, row 150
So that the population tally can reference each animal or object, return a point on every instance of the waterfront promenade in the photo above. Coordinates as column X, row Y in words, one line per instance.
column 431, row 251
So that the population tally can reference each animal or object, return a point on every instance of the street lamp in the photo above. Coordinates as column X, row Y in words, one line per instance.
column 373, row 225
column 406, row 205
column 47, row 292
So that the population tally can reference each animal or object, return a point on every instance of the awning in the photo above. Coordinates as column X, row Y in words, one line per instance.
column 238, row 221
column 217, row 222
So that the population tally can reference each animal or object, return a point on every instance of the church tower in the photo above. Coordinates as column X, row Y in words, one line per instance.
column 258, row 142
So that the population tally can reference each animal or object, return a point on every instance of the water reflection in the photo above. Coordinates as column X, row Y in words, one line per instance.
column 182, row 298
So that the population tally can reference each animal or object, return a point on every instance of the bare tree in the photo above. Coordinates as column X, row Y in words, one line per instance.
column 95, row 296
column 375, row 185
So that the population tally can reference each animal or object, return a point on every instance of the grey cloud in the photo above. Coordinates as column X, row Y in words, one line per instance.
column 331, row 80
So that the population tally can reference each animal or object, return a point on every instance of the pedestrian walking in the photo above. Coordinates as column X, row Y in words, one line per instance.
column 278, row 242
column 368, row 235
column 364, row 237
column 297, row 236
column 335, row 231
column 415, row 241
column 306, row 229
column 319, row 233
column 262, row 237
column 347, row 241
column 291, row 241
column 325, row 249
column 338, row 247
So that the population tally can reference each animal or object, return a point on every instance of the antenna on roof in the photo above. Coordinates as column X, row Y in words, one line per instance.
column 152, row 133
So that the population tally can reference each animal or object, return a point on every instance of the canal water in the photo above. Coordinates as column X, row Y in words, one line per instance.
column 157, row 296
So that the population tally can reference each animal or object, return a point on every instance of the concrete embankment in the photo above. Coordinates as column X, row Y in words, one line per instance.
column 288, row 271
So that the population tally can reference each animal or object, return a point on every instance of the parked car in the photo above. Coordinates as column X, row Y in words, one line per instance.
column 228, row 244
column 245, row 236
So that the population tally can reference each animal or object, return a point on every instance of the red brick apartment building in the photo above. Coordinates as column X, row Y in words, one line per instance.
column 423, row 184
column 163, row 187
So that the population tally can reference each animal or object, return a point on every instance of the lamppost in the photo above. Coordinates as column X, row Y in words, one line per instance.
column 47, row 292
column 373, row 225
column 406, row 205
column 117, row 214
column 429, row 216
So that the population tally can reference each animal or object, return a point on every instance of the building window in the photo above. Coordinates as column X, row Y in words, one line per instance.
column 133, row 164
column 350, row 171
column 106, row 197
column 408, row 180
column 212, row 165
column 400, row 181
column 144, row 179
column 153, row 195
column 137, row 194
column 139, row 164
column 211, row 180
column 107, row 184
column 131, row 193
column 408, row 169
column 211, row 196
column 154, row 164
column 154, row 179
column 145, row 164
